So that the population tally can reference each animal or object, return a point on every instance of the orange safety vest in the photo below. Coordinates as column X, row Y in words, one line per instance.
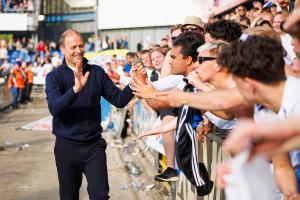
column 19, row 79
column 29, row 77
column 10, row 81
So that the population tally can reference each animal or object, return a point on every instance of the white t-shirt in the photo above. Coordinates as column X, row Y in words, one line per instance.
column 219, row 122
column 286, row 41
column 290, row 106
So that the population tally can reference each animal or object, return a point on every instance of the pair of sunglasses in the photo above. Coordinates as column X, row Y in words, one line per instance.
column 201, row 59
column 192, row 29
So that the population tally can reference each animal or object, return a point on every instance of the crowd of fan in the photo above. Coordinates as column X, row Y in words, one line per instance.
column 242, row 65
column 19, row 6
column 21, row 61
column 101, row 43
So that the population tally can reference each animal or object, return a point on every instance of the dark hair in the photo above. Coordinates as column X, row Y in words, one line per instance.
column 225, row 30
column 189, row 43
column 258, row 58
column 131, row 54
column 63, row 36
column 145, row 51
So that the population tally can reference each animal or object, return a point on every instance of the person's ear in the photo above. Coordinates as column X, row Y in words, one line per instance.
column 251, row 85
column 189, row 60
column 218, row 68
column 62, row 49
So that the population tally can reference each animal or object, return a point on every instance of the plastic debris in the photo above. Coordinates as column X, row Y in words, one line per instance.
column 8, row 143
column 133, row 169
column 149, row 187
column 123, row 186
column 137, row 186
column 22, row 147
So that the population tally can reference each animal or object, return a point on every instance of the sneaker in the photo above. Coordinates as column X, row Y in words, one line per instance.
column 168, row 175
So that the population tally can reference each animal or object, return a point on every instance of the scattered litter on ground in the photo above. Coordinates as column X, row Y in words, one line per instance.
column 138, row 186
column 123, row 186
column 149, row 187
column 133, row 169
column 21, row 147
column 8, row 143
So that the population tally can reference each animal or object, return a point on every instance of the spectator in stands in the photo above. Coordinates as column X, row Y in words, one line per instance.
column 175, row 31
column 30, row 46
column 286, row 39
column 3, row 51
column 16, row 83
column 47, row 66
column 241, row 11
column 13, row 85
column 146, row 61
column 183, row 57
column 193, row 24
column 157, row 59
column 225, row 30
column 24, row 42
column 41, row 48
column 22, row 86
column 273, row 90
column 130, row 56
column 29, row 81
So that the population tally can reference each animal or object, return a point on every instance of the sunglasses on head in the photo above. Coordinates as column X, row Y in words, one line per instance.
column 201, row 59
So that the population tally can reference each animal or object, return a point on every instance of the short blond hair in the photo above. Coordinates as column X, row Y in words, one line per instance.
column 214, row 47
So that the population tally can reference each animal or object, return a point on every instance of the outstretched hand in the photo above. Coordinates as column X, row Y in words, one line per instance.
column 139, row 72
column 79, row 79
column 142, row 90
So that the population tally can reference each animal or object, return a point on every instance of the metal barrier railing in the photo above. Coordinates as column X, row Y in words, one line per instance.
column 210, row 152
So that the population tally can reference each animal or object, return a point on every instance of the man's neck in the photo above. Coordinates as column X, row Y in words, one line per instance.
column 271, row 96
column 70, row 64
column 189, row 69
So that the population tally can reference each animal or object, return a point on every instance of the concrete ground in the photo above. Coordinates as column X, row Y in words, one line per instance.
column 30, row 174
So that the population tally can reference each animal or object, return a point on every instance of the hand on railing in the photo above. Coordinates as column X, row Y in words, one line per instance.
column 203, row 129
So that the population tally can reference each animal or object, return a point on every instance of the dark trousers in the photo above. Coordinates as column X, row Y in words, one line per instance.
column 15, row 94
column 28, row 89
column 22, row 95
column 74, row 159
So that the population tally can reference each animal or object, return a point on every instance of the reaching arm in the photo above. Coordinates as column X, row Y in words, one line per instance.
column 270, row 138
column 113, row 94
column 285, row 176
column 212, row 101
column 161, row 129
